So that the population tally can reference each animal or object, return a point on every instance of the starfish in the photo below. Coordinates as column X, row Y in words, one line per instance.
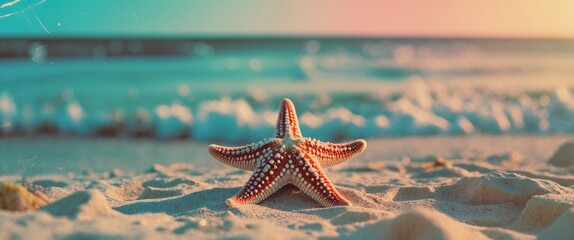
column 287, row 158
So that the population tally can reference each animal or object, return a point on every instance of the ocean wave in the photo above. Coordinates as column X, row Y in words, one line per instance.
column 418, row 112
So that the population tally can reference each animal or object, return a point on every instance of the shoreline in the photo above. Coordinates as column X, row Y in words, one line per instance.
column 60, row 155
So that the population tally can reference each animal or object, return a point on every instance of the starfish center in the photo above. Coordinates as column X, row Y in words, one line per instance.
column 289, row 140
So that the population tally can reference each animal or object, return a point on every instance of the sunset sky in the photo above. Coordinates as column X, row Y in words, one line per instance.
column 410, row 18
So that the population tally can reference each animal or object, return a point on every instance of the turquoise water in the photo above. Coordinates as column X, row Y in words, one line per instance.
column 229, row 90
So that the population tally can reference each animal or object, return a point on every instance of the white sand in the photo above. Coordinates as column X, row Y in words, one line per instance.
column 503, row 195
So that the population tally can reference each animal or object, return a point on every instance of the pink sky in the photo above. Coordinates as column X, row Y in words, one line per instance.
column 487, row 18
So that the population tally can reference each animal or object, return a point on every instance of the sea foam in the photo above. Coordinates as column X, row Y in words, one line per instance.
column 239, row 119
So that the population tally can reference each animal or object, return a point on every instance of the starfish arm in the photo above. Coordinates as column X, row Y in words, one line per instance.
column 244, row 157
column 330, row 154
column 313, row 182
column 266, row 179
column 287, row 122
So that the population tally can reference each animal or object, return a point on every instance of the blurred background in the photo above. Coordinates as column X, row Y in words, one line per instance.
column 216, row 72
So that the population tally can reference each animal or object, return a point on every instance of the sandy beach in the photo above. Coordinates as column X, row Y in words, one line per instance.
column 499, row 188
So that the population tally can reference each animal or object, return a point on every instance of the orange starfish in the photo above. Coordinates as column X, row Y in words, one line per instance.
column 287, row 158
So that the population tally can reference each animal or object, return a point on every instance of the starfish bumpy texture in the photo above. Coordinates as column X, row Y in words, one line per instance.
column 287, row 158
